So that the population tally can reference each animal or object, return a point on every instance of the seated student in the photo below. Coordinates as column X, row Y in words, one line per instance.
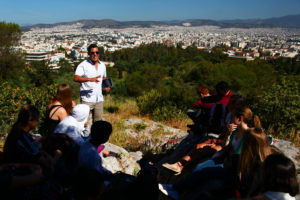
column 74, row 125
column 222, row 96
column 20, row 146
column 278, row 179
column 88, row 155
column 209, row 146
column 213, row 109
column 58, row 108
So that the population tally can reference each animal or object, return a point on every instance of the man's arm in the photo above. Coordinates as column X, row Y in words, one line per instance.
column 81, row 79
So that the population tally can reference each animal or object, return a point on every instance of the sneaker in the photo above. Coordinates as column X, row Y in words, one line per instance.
column 173, row 168
column 168, row 190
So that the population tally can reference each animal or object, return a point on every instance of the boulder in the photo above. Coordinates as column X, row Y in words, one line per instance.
column 126, row 162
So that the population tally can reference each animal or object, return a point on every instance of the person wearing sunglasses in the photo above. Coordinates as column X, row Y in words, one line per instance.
column 90, row 73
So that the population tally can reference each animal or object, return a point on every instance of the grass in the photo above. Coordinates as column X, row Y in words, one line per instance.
column 140, row 126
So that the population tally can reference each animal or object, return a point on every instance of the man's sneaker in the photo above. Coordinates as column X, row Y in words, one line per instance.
column 168, row 190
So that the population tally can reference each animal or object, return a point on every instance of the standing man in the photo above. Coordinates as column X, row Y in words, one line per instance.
column 90, row 74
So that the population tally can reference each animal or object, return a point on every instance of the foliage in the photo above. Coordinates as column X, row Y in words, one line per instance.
column 149, row 102
column 65, row 74
column 40, row 74
column 11, row 60
column 159, row 109
column 140, row 126
column 12, row 97
column 10, row 34
column 167, row 112
column 279, row 107
column 286, row 65
column 119, row 88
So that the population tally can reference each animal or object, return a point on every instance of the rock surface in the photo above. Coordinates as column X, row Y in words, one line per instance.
column 126, row 162
column 155, row 136
column 289, row 150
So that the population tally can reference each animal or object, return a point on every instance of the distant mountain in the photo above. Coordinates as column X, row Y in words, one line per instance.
column 105, row 23
column 285, row 21
column 291, row 21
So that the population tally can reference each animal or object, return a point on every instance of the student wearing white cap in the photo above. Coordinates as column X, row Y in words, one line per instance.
column 74, row 125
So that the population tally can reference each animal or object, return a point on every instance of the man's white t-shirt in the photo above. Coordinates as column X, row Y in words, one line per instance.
column 91, row 91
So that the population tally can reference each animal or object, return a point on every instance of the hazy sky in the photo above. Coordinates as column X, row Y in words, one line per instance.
column 52, row 11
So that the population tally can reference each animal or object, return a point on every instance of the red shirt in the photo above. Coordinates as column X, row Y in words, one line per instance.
column 224, row 100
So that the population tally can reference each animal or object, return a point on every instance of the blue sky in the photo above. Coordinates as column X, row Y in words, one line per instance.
column 52, row 11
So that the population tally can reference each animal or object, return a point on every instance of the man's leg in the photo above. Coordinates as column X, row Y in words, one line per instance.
column 92, row 111
column 98, row 111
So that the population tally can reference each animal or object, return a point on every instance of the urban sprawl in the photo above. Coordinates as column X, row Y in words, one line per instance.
column 54, row 43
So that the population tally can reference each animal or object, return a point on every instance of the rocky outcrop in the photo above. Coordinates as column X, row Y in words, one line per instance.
column 289, row 150
column 125, row 161
column 156, row 136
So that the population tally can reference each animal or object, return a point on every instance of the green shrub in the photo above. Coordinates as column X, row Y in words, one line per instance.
column 167, row 112
column 279, row 108
column 119, row 88
column 140, row 126
column 12, row 97
column 158, row 107
column 149, row 102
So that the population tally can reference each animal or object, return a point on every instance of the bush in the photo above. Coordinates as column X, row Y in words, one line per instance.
column 119, row 88
column 12, row 97
column 149, row 102
column 159, row 108
column 166, row 113
column 279, row 108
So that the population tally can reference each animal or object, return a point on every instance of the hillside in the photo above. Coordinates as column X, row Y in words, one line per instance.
column 291, row 21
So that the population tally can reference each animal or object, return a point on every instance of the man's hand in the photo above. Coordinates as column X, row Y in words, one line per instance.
column 95, row 79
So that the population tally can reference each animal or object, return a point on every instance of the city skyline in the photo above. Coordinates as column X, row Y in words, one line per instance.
column 33, row 12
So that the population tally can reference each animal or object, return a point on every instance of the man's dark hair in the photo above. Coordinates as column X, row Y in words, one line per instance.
column 278, row 174
column 92, row 46
column 222, row 86
column 101, row 131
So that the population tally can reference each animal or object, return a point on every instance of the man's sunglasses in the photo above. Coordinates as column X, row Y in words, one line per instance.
column 94, row 52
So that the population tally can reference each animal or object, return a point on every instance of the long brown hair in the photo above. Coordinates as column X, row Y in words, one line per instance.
column 255, row 149
column 64, row 96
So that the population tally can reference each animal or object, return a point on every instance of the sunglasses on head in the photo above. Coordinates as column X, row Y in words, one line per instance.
column 94, row 52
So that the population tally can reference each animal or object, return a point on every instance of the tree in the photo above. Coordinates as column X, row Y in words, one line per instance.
column 11, row 60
